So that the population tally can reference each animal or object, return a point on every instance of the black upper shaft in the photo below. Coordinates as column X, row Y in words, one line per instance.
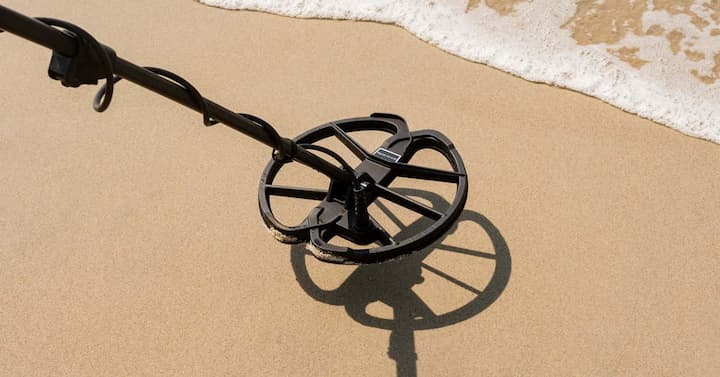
column 65, row 44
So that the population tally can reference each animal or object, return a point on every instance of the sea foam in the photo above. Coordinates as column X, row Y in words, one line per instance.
column 659, row 59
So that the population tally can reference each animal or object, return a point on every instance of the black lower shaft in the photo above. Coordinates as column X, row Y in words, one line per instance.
column 360, row 217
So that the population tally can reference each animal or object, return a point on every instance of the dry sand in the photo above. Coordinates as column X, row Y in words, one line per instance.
column 130, row 242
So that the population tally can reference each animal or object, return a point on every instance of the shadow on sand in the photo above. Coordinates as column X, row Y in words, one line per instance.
column 392, row 284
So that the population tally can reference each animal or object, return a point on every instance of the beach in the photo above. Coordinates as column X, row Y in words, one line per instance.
column 131, row 244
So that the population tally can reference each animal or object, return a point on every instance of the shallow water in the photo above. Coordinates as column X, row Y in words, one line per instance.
column 659, row 59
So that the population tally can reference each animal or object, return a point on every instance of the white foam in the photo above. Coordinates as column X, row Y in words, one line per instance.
column 530, row 43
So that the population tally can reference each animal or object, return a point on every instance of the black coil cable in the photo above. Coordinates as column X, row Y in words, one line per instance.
column 337, row 157
column 279, row 152
column 105, row 94
column 207, row 120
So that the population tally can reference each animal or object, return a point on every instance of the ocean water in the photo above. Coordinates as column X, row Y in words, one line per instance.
column 659, row 59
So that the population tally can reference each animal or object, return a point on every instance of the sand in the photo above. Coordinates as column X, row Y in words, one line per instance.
column 130, row 242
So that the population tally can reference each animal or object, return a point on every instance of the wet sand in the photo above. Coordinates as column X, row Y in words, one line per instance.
column 130, row 242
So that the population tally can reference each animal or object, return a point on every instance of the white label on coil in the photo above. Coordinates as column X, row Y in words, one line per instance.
column 387, row 155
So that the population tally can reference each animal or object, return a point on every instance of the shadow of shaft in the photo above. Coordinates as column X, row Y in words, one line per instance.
column 402, row 344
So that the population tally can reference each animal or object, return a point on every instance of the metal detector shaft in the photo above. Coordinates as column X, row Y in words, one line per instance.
column 65, row 44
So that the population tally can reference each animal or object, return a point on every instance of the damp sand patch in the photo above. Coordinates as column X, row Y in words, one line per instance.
column 659, row 59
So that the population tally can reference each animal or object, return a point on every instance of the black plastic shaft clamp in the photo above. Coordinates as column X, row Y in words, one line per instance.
column 92, row 61
column 285, row 150
column 85, row 68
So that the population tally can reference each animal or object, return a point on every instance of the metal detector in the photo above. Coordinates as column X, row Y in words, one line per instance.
column 341, row 212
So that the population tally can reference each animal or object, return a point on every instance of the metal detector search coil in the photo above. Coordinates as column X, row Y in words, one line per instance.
column 341, row 211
